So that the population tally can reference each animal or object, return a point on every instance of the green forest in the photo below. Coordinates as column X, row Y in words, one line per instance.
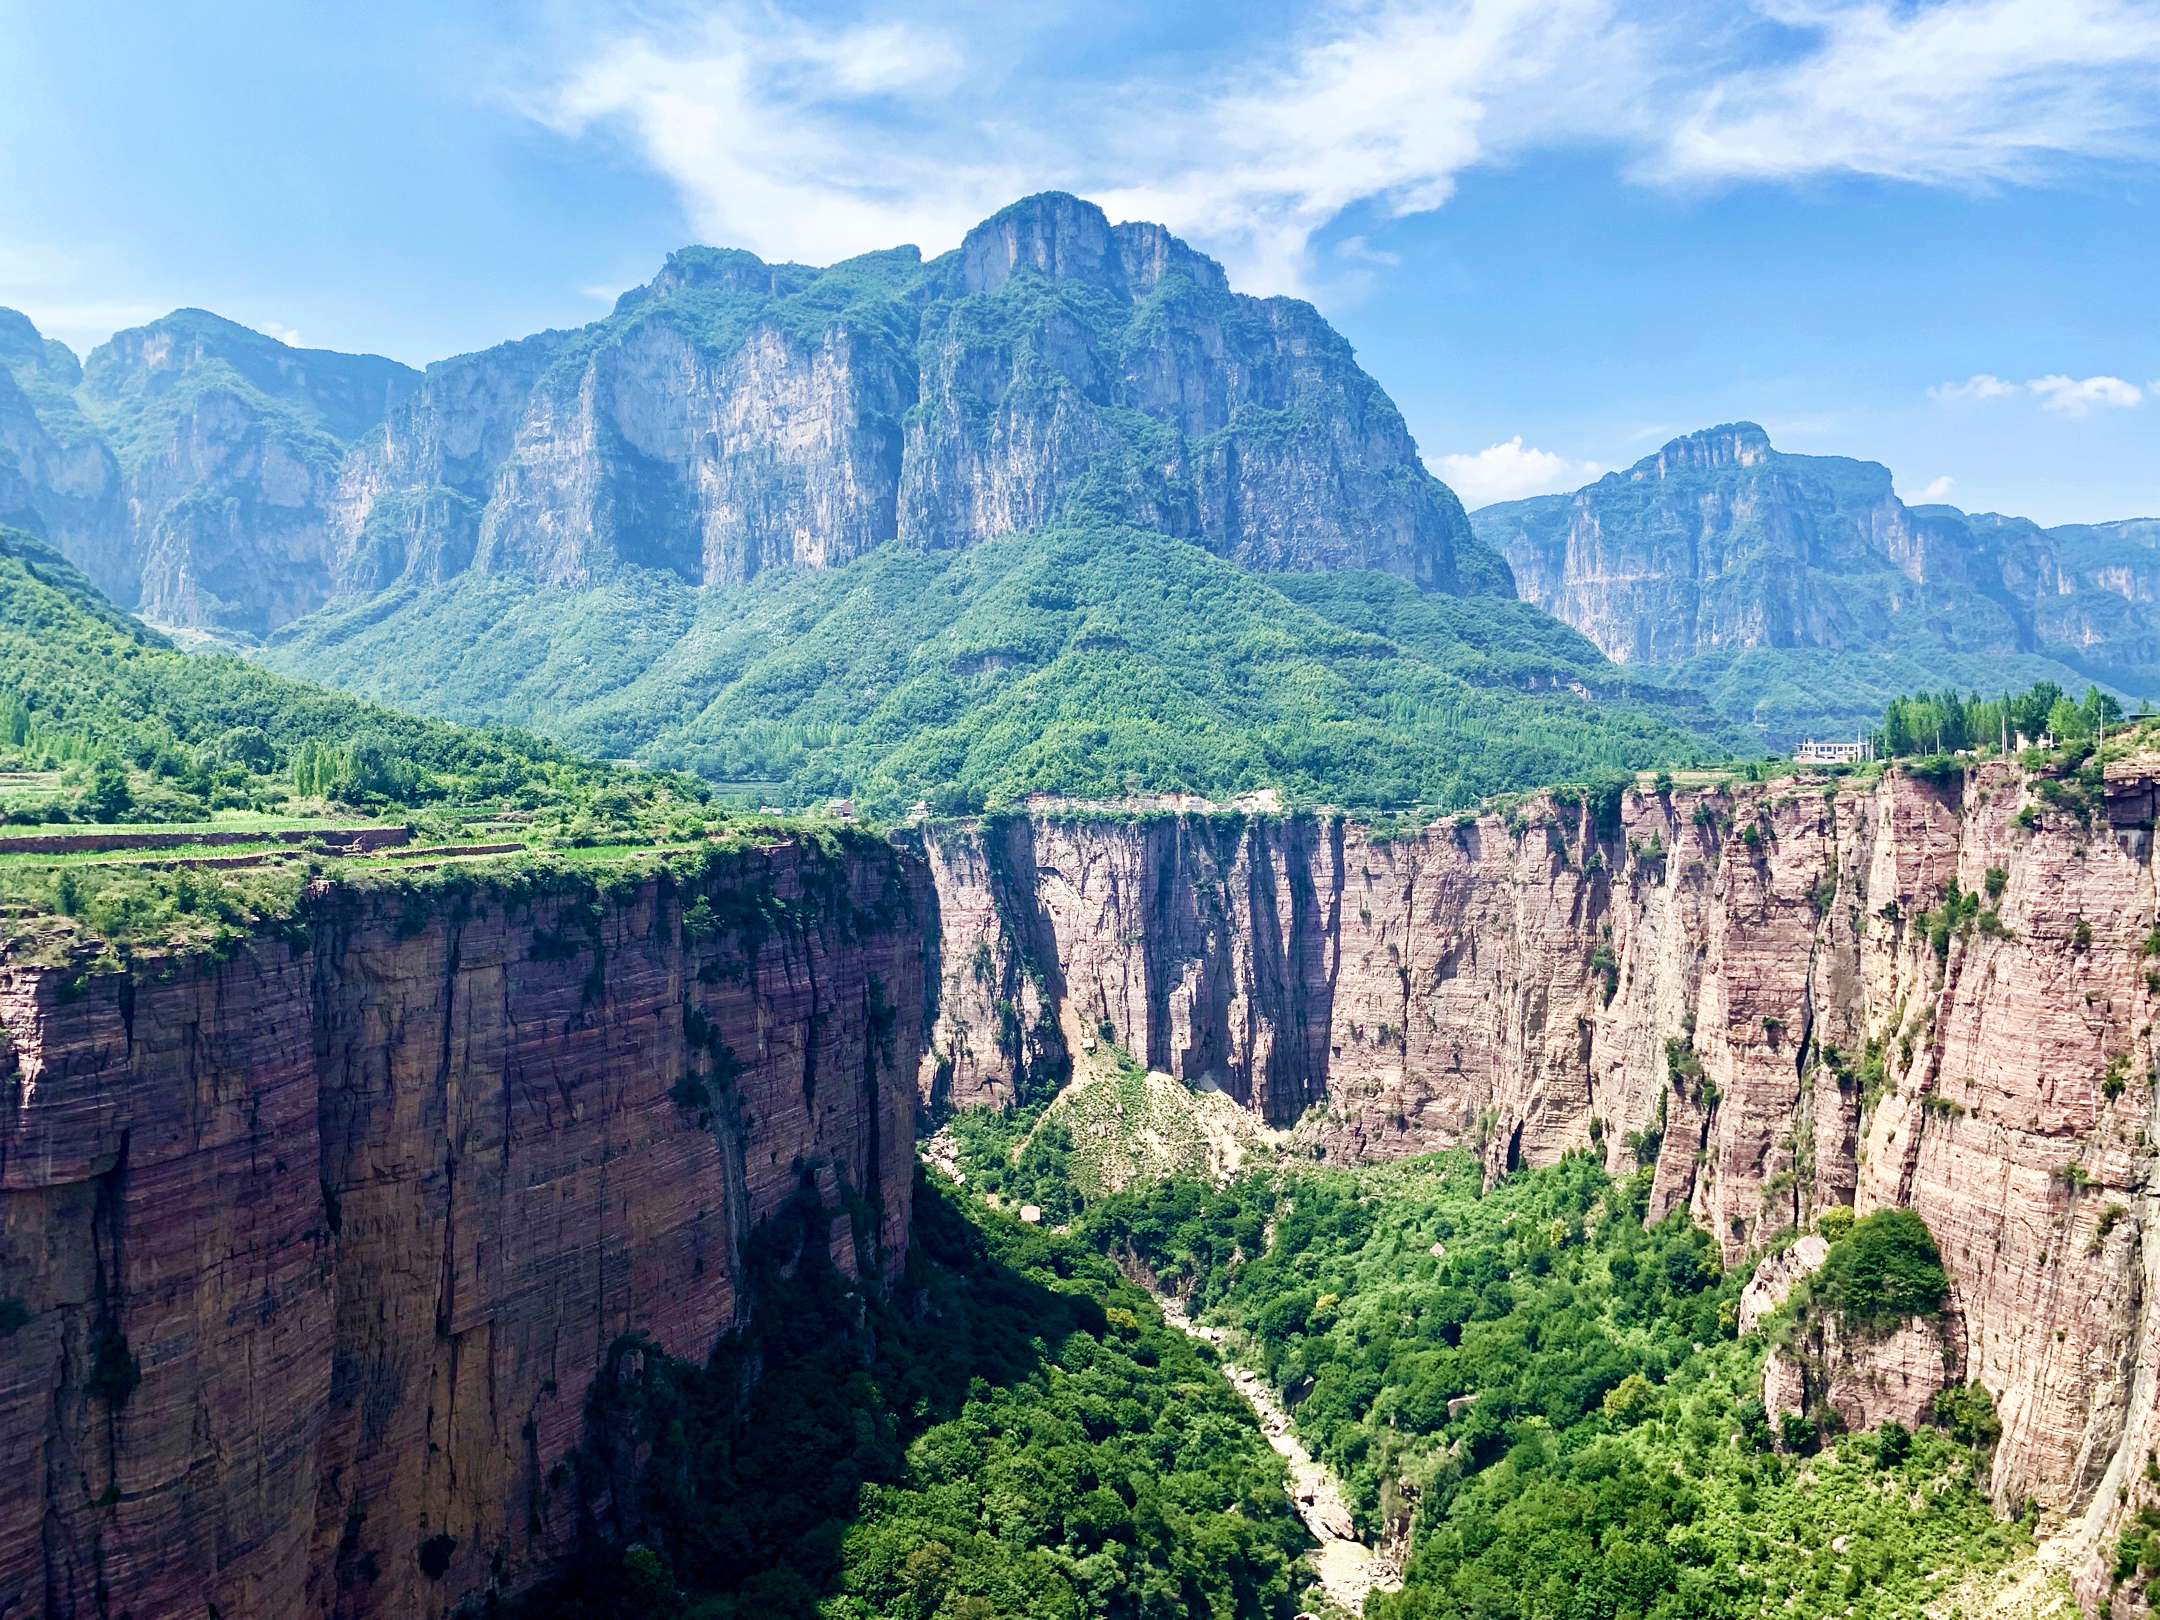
column 1087, row 659
column 1947, row 721
column 1552, row 1392
column 1544, row 1393
column 1012, row 1431
column 104, row 720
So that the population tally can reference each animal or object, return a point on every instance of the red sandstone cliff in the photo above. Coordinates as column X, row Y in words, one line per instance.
column 365, row 1205
column 1746, row 978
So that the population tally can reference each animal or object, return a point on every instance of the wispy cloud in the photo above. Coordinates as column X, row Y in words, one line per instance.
column 1510, row 471
column 1981, row 385
column 2073, row 396
column 809, row 141
column 794, row 141
column 1958, row 93
column 1939, row 489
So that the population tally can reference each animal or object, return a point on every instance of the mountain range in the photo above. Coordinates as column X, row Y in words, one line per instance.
column 1799, row 591
column 781, row 523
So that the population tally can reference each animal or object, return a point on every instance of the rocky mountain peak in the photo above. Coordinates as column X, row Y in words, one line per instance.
column 1731, row 444
column 1070, row 238
column 28, row 353
column 19, row 339
column 733, row 415
column 722, row 270
column 347, row 394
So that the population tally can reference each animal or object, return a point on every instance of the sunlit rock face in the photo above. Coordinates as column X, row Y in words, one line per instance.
column 1720, row 546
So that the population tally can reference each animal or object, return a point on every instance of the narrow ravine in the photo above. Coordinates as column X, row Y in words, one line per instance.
column 1348, row 1569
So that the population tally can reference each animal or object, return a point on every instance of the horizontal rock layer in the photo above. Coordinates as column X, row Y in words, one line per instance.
column 1742, row 988
column 364, row 1203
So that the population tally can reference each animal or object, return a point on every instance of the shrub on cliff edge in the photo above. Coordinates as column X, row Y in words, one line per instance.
column 1883, row 1271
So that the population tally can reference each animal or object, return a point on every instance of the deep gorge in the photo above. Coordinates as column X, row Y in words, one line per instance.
column 317, row 1246
column 320, row 1246
column 1911, row 993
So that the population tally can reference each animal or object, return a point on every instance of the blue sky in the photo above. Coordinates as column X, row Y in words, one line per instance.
column 1918, row 231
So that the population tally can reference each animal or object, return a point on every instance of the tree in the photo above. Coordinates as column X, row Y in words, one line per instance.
column 108, row 797
column 1631, row 1400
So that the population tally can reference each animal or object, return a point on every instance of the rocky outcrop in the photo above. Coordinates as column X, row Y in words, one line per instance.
column 1923, row 994
column 1719, row 544
column 1866, row 1381
column 1776, row 1276
column 311, row 1250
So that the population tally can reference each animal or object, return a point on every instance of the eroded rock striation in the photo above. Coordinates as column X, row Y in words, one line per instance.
column 310, row 1253
column 1924, row 994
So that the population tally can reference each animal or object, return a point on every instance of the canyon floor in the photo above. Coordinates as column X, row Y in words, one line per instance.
column 1348, row 1568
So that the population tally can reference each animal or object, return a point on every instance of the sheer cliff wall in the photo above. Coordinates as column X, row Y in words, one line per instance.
column 1758, row 990
column 320, row 1244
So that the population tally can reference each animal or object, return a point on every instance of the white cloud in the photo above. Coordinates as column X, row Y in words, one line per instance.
column 1981, row 385
column 769, row 129
column 2074, row 396
column 1508, row 472
column 1939, row 489
column 287, row 335
column 1958, row 92
column 810, row 142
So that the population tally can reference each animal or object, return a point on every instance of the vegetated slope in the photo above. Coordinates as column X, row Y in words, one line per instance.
column 1088, row 658
column 1799, row 592
column 1553, row 1396
column 87, row 688
column 1015, row 1433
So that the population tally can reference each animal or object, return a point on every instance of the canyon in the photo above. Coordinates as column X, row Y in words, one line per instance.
column 1780, row 998
column 312, row 1248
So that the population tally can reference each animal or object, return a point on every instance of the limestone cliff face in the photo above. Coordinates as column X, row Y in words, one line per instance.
column 228, row 445
column 1890, row 1377
column 729, row 417
column 734, row 416
column 409, row 496
column 1276, row 449
column 58, row 478
column 319, row 1246
column 1720, row 544
column 1760, row 992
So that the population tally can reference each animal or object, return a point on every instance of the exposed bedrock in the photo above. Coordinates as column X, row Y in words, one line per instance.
column 309, row 1254
column 1760, row 990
